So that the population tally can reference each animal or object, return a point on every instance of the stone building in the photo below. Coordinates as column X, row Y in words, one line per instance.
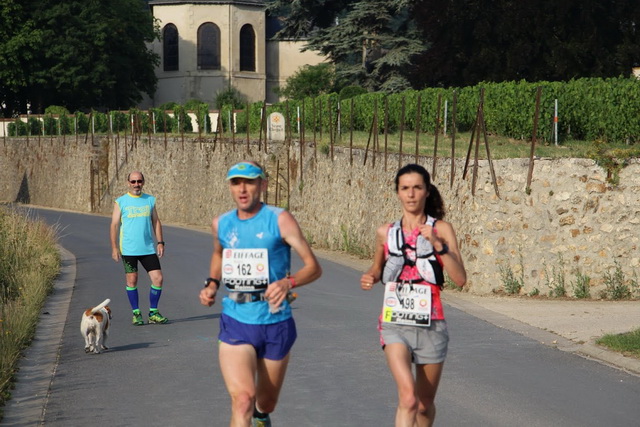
column 209, row 46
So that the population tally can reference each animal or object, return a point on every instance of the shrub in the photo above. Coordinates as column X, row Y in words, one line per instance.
column 616, row 287
column 582, row 286
column 230, row 97
column 511, row 284
column 351, row 91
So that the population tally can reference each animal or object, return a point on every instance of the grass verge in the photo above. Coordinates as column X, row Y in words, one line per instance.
column 500, row 147
column 627, row 343
column 29, row 263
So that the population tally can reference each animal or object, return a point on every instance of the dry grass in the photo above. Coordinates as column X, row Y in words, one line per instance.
column 29, row 263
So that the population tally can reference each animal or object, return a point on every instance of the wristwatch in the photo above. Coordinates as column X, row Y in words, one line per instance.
column 445, row 249
column 211, row 279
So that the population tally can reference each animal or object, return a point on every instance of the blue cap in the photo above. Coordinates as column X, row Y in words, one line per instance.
column 245, row 170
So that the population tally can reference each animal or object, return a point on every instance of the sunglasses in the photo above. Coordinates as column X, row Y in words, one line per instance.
column 137, row 181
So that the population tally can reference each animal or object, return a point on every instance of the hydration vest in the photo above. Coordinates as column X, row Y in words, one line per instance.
column 428, row 266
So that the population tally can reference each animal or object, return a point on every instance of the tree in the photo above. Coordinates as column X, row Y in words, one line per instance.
column 371, row 42
column 300, row 18
column 19, row 40
column 497, row 40
column 387, row 45
column 310, row 81
column 79, row 54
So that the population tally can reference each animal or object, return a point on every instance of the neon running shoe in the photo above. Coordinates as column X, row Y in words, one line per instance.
column 137, row 318
column 261, row 422
column 156, row 317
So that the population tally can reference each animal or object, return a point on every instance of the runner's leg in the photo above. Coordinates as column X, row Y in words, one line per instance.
column 270, row 379
column 132, row 289
column 399, row 361
column 238, row 365
column 155, row 289
column 156, row 278
column 427, row 380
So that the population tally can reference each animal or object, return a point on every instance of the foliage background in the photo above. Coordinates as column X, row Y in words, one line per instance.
column 82, row 54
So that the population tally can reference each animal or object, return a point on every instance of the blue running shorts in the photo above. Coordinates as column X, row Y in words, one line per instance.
column 272, row 341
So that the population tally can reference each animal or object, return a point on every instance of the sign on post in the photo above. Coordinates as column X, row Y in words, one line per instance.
column 275, row 127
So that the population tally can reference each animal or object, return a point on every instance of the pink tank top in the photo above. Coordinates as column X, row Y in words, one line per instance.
column 411, row 273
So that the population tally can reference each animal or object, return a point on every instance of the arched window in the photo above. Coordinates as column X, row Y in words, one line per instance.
column 170, row 52
column 208, row 47
column 247, row 48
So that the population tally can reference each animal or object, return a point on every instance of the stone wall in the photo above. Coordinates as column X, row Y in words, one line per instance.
column 571, row 219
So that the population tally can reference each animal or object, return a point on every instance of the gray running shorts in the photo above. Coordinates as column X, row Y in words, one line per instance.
column 428, row 345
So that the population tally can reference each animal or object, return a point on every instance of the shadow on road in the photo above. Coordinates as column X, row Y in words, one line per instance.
column 196, row 318
column 135, row 346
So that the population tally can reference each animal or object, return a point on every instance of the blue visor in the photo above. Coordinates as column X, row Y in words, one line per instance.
column 245, row 170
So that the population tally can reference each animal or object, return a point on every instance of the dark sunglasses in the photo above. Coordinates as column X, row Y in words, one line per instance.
column 136, row 181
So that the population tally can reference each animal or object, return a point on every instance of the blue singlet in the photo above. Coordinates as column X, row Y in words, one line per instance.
column 258, row 232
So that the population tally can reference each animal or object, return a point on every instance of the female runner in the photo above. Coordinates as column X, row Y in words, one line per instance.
column 410, row 256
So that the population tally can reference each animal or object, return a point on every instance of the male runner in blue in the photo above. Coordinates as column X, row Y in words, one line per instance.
column 134, row 224
column 251, row 259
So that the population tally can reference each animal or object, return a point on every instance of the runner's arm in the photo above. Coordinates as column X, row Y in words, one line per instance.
column 292, row 234
column 374, row 273
column 113, row 232
column 452, row 260
column 157, row 228
column 311, row 270
column 208, row 294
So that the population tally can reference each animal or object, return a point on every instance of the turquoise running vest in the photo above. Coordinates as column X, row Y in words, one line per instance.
column 259, row 232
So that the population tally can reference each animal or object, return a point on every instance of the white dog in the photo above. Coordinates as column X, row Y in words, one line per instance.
column 95, row 327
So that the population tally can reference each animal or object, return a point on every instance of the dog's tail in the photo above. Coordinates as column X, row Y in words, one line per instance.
column 104, row 303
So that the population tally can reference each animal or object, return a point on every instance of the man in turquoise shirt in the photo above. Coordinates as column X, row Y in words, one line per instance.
column 134, row 225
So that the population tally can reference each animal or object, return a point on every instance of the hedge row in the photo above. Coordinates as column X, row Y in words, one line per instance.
column 589, row 109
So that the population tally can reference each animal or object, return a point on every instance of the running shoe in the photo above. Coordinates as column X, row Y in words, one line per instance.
column 156, row 317
column 261, row 422
column 137, row 318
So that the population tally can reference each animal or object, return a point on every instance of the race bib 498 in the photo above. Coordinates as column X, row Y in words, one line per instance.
column 407, row 304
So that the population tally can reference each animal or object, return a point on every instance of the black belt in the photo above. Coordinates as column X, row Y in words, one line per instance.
column 244, row 297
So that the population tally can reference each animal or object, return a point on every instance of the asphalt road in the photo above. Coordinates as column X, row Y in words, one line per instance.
column 168, row 374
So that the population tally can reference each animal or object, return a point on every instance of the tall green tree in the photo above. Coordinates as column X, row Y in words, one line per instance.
column 371, row 42
column 79, row 54
column 463, row 42
column 19, row 41
column 497, row 40
column 301, row 17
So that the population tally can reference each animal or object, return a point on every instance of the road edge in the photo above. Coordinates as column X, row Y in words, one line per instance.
column 28, row 401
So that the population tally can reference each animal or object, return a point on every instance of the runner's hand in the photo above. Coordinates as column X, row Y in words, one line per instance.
column 429, row 233
column 208, row 296
column 366, row 281
column 115, row 254
column 277, row 292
